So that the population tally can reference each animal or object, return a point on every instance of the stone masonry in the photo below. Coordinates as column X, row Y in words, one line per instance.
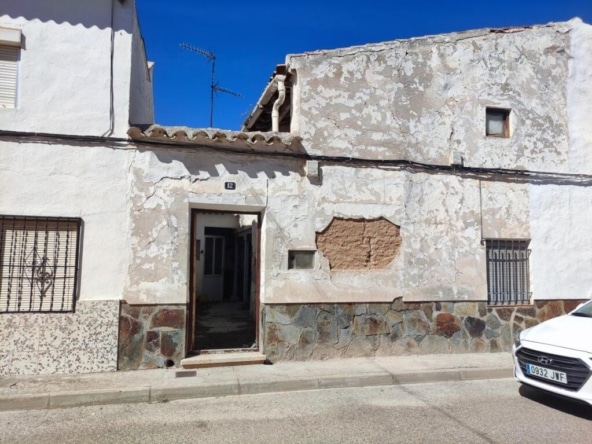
column 151, row 336
column 326, row 331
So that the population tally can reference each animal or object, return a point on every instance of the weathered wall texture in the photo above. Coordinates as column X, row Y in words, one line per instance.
column 441, row 256
column 359, row 244
column 421, row 98
column 166, row 184
column 417, row 99
column 151, row 336
column 325, row 331
column 81, row 342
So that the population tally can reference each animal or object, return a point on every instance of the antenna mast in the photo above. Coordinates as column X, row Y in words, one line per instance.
column 213, row 85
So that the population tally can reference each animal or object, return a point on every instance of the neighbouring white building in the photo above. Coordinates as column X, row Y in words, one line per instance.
column 429, row 195
column 73, row 78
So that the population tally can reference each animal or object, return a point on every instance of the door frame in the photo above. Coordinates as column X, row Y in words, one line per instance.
column 192, row 284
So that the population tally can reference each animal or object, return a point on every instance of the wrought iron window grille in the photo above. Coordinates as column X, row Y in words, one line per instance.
column 39, row 259
column 508, row 277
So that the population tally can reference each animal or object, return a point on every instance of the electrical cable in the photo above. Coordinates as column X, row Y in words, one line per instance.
column 409, row 165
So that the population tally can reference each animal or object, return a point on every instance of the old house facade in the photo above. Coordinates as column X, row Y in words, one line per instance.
column 428, row 195
column 475, row 148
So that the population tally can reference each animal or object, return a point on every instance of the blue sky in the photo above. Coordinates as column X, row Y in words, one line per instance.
column 251, row 38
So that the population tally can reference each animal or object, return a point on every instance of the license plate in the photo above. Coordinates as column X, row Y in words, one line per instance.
column 546, row 373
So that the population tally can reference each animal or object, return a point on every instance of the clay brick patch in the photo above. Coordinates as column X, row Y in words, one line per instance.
column 355, row 244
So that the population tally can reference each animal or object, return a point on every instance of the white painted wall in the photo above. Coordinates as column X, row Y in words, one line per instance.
column 141, row 95
column 579, row 95
column 64, row 78
column 560, row 215
column 561, row 245
column 69, row 181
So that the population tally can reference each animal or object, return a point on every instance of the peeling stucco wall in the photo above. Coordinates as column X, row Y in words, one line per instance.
column 166, row 184
column 421, row 98
column 417, row 99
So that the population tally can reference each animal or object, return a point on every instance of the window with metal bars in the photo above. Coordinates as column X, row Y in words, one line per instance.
column 38, row 264
column 507, row 271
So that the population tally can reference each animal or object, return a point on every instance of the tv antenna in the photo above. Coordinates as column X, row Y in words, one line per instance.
column 214, row 87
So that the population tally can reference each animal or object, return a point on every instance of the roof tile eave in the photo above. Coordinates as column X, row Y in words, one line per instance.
column 171, row 135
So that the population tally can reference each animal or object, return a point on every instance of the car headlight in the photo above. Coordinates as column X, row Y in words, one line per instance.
column 517, row 341
column 519, row 337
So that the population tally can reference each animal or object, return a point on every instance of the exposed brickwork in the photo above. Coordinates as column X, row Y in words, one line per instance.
column 352, row 244
column 151, row 336
column 323, row 331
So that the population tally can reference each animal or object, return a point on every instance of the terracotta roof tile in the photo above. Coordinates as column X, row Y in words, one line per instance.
column 248, row 141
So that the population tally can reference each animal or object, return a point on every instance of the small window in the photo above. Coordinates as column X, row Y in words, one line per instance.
column 38, row 264
column 507, row 272
column 497, row 122
column 300, row 260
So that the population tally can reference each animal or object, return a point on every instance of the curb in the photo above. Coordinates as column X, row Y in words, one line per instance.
column 191, row 391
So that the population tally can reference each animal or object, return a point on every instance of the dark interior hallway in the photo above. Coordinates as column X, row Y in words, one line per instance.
column 224, row 325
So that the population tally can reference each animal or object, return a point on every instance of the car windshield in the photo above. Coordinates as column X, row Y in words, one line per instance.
column 584, row 311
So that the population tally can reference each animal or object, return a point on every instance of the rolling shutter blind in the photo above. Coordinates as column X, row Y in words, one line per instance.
column 8, row 69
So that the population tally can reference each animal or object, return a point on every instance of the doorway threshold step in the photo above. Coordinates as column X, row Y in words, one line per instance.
column 223, row 359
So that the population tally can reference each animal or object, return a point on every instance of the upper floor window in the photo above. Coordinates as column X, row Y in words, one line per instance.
column 10, row 47
column 38, row 264
column 497, row 122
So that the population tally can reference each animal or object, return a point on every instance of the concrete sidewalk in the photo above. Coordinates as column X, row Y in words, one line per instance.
column 56, row 391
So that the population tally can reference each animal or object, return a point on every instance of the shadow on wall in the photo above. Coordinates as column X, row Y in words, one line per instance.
column 97, row 13
column 204, row 162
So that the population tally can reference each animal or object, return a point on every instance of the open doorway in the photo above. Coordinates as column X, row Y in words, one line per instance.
column 224, row 293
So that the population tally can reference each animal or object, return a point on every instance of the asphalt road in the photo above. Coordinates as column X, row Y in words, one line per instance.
column 452, row 412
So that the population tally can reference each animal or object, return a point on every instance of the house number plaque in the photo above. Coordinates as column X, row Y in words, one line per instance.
column 230, row 185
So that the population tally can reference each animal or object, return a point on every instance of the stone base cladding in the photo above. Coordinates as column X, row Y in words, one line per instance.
column 326, row 331
column 151, row 336
column 47, row 343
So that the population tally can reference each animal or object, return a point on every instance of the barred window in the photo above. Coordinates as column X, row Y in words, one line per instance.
column 38, row 264
column 507, row 272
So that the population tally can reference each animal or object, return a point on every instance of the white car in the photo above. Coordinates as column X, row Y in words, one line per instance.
column 556, row 355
